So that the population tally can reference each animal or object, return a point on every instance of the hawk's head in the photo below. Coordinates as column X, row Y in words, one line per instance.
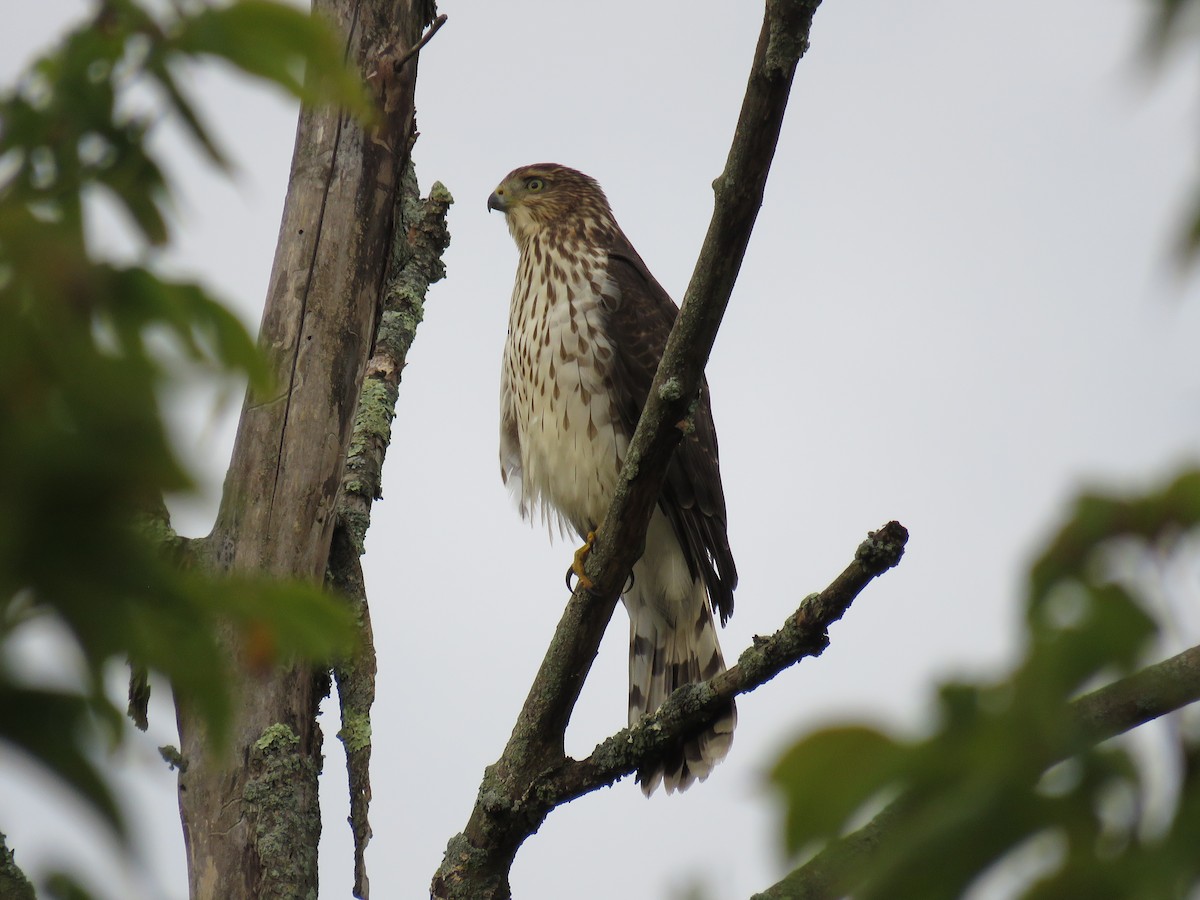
column 549, row 196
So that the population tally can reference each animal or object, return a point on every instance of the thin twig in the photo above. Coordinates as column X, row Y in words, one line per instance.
column 416, row 48
column 688, row 709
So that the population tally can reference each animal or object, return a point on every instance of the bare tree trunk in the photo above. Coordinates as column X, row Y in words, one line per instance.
column 250, row 817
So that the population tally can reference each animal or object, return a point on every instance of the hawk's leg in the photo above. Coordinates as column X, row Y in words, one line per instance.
column 576, row 569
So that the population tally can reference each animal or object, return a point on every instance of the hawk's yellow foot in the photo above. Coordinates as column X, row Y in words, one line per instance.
column 576, row 569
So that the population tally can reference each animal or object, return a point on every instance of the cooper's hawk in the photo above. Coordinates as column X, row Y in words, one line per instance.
column 586, row 330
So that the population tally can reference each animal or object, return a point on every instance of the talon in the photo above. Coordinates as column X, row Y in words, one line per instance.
column 576, row 569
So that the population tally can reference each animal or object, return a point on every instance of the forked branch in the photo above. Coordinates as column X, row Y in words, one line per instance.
column 805, row 633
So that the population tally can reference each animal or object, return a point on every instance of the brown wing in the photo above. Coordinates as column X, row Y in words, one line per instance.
column 638, row 315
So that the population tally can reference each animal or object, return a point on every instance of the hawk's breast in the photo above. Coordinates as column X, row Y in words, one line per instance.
column 556, row 388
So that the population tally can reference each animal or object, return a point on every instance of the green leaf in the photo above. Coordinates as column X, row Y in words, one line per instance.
column 62, row 886
column 292, row 618
column 1098, row 518
column 135, row 299
column 989, row 780
column 1167, row 24
column 83, row 449
column 829, row 776
column 187, row 113
column 46, row 725
column 137, row 184
column 279, row 43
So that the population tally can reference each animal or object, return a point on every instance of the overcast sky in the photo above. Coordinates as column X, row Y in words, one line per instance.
column 957, row 309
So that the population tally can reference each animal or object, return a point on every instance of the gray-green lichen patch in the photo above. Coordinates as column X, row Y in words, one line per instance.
column 671, row 390
column 280, row 797
column 785, row 45
column 13, row 883
column 356, row 521
column 439, row 193
column 276, row 736
column 398, row 323
column 173, row 758
column 373, row 419
column 355, row 732
column 633, row 461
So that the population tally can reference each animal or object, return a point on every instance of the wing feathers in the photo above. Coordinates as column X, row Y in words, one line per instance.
column 639, row 315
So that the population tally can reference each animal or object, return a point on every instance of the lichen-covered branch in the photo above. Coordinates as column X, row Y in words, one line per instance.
column 688, row 709
column 804, row 634
column 355, row 679
column 477, row 861
column 13, row 883
column 421, row 237
column 1114, row 709
column 1141, row 697
column 420, row 240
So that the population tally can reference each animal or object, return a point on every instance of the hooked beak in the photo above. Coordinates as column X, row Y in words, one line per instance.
column 498, row 201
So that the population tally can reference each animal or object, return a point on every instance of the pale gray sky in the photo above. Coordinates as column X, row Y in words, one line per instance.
column 956, row 310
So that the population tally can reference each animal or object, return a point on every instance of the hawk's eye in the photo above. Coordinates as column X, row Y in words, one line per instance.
column 534, row 185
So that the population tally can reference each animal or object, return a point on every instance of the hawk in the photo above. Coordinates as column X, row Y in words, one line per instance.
column 586, row 330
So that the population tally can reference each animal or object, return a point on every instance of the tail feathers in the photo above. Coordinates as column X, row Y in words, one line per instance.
column 661, row 659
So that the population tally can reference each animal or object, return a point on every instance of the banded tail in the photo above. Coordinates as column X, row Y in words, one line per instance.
column 663, row 656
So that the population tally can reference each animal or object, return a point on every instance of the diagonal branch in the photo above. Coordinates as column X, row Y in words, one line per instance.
column 1102, row 714
column 805, row 633
column 477, row 861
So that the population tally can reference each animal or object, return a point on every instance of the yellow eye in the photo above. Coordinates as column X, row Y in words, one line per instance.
column 533, row 185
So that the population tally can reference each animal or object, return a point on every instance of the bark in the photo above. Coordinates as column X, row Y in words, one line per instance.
column 356, row 694
column 250, row 815
column 13, row 883
column 478, row 860
column 421, row 238
column 1102, row 714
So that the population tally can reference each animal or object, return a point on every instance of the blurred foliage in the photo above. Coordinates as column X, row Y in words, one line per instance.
column 1175, row 25
column 85, row 346
column 1008, row 767
column 1010, row 785
column 1171, row 21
